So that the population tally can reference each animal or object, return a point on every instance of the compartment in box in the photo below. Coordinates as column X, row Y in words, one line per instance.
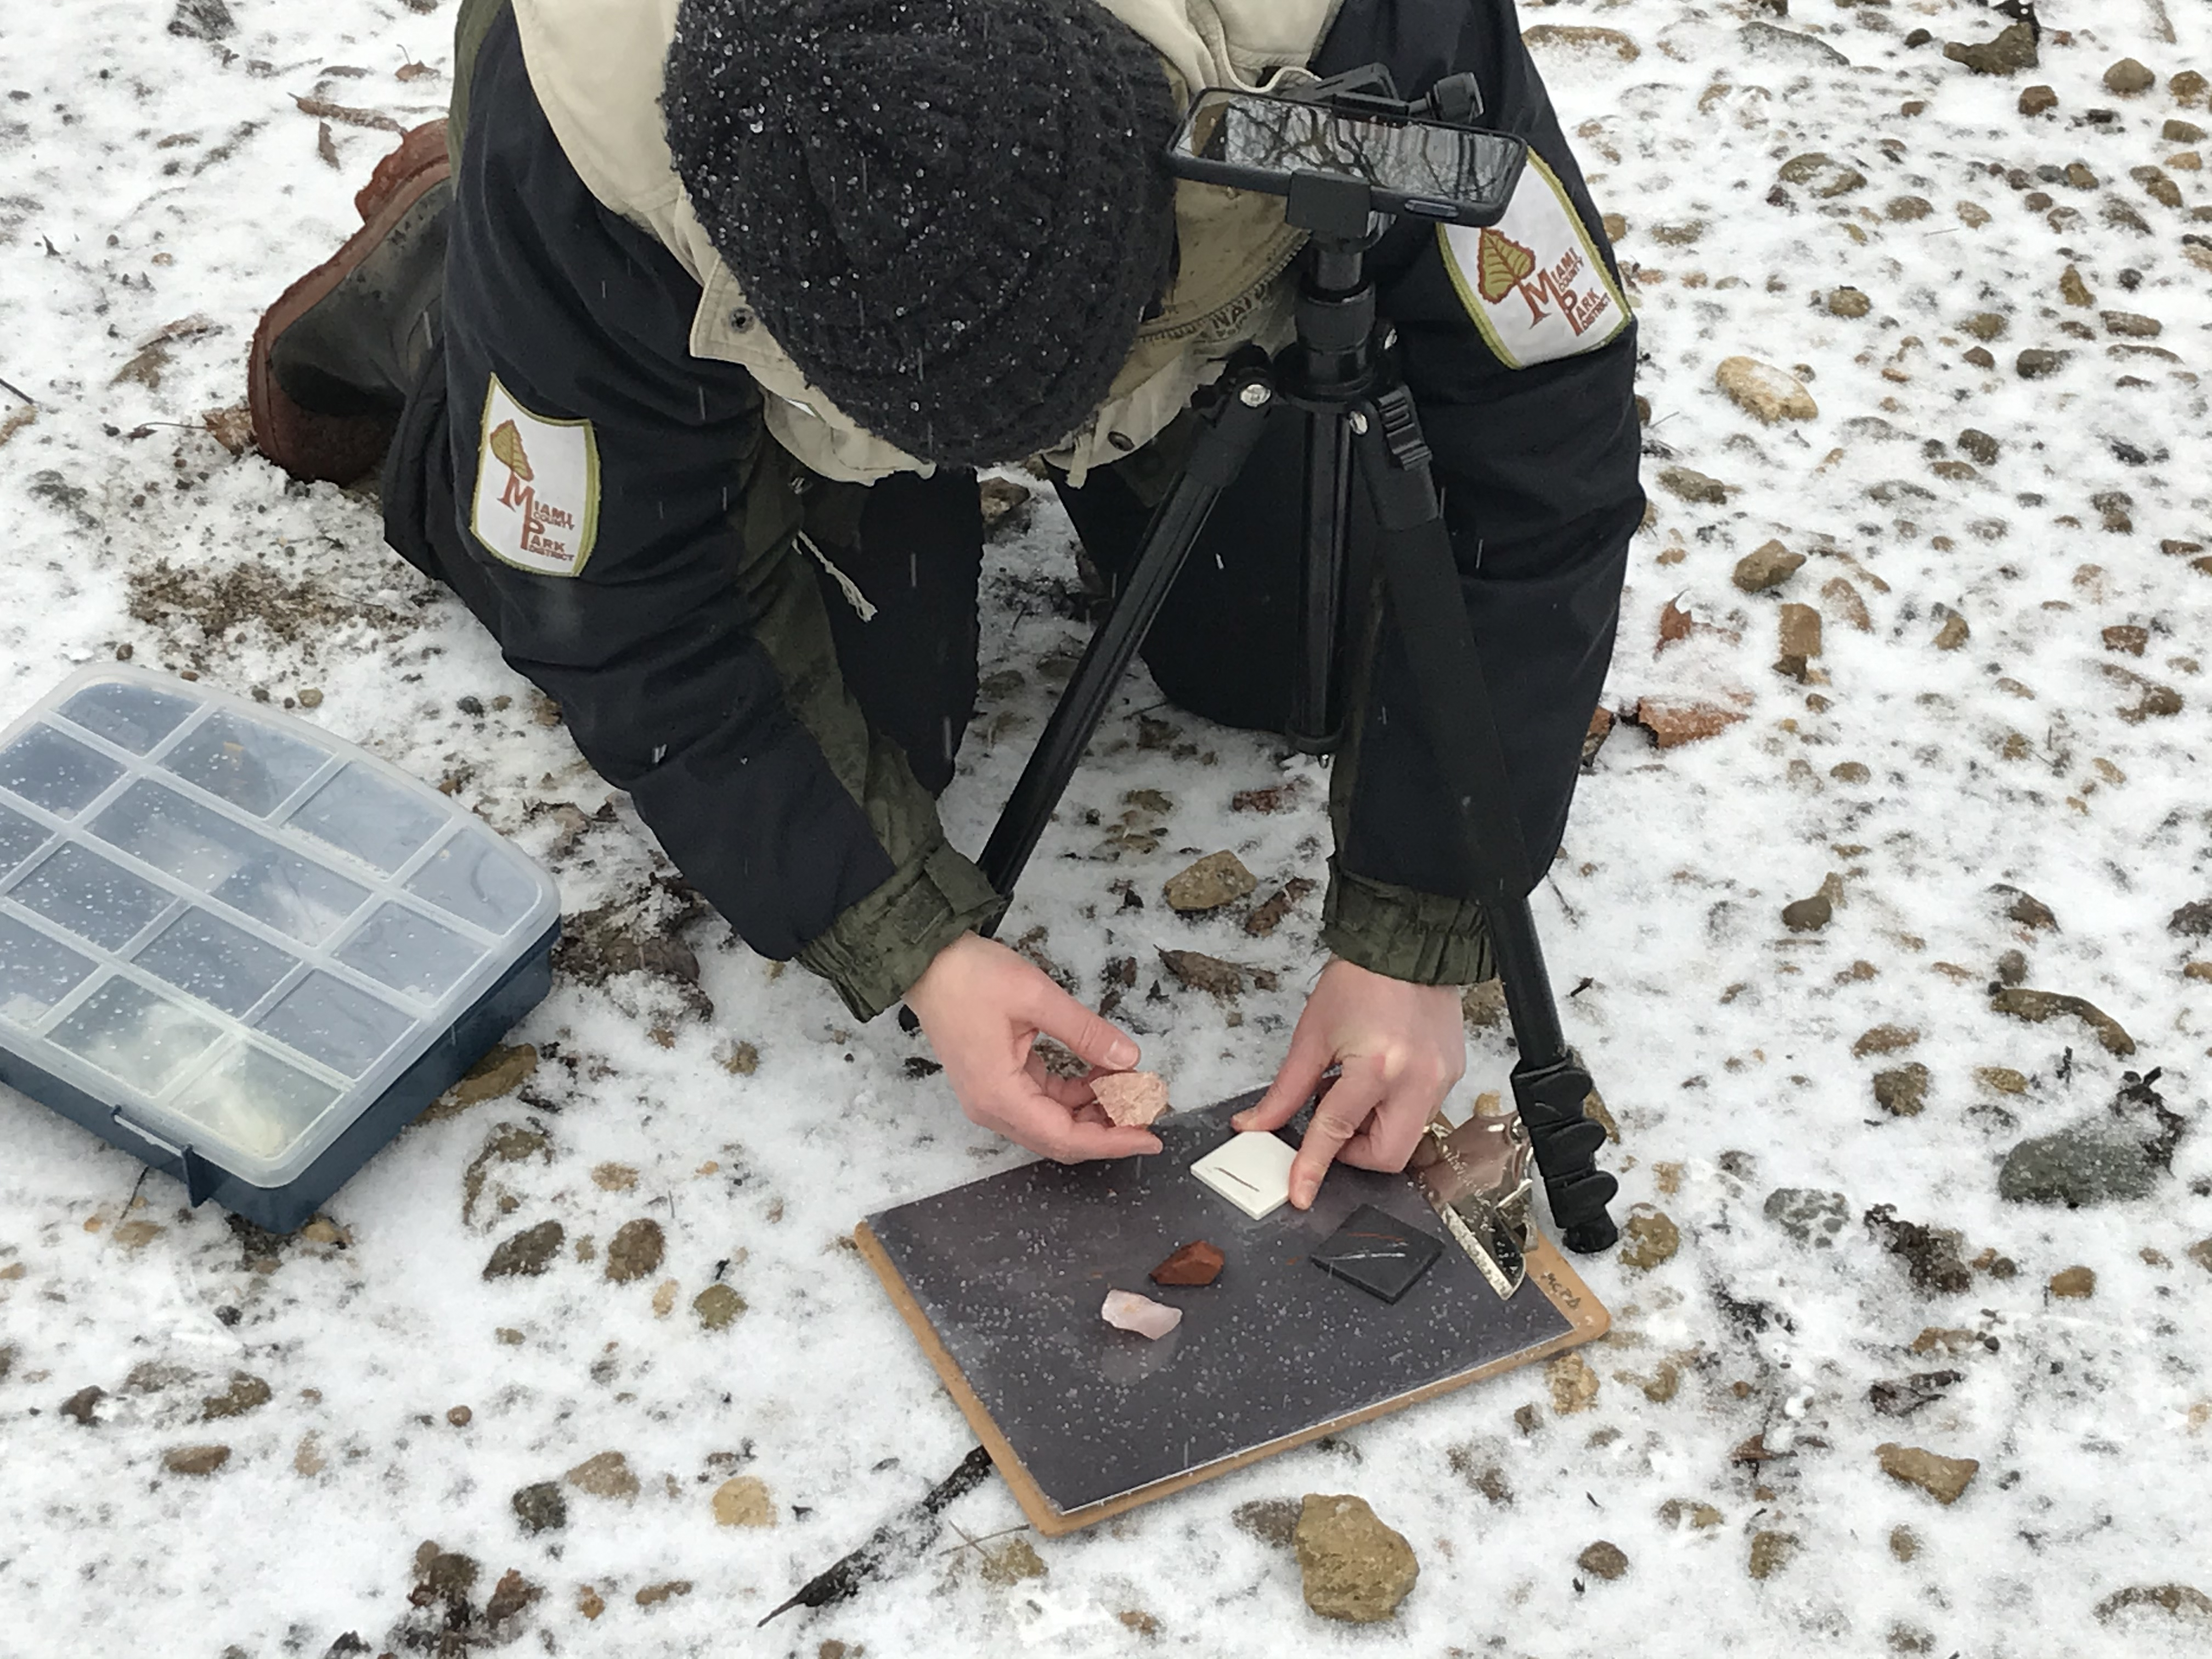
column 469, row 879
column 55, row 772
column 133, row 717
column 35, row 972
column 328, row 1020
column 225, row 859
column 95, row 899
column 253, row 1103
column 409, row 952
column 19, row 838
column 244, row 761
column 358, row 812
column 214, row 961
column 132, row 1035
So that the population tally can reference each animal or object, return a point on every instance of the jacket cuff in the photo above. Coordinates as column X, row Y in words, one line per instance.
column 1423, row 939
column 875, row 950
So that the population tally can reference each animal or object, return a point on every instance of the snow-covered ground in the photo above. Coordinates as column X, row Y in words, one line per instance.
column 2009, row 690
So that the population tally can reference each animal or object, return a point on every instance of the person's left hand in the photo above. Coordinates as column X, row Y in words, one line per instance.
column 1402, row 1048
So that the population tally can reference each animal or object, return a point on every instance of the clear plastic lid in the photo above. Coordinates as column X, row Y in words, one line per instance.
column 233, row 929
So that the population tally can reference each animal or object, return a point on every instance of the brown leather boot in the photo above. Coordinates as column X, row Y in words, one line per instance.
column 328, row 371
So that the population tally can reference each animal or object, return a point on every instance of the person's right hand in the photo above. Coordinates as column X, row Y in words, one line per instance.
column 983, row 1008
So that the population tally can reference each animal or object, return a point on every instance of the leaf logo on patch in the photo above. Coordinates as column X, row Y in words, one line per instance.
column 1502, row 265
column 506, row 445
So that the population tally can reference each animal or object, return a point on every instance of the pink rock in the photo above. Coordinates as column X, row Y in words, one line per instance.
column 1130, row 1312
column 1132, row 1099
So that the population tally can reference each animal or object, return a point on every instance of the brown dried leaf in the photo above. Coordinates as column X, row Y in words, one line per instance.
column 325, row 110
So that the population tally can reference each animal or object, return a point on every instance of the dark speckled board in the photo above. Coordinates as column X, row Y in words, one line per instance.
column 1001, row 1280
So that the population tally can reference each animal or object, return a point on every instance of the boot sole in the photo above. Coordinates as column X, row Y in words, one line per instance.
column 337, row 448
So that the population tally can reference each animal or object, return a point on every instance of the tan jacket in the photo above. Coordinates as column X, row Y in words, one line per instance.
column 596, row 66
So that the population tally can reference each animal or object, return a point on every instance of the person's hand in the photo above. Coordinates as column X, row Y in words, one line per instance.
column 983, row 1008
column 1401, row 1047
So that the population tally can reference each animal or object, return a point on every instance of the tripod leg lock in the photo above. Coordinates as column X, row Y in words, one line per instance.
column 1566, row 1144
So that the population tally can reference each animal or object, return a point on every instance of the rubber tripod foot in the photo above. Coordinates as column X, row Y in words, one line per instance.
column 1591, row 1237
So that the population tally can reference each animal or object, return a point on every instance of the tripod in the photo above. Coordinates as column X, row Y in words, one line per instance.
column 1359, row 419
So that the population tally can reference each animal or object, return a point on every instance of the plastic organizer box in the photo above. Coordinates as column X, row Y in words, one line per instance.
column 241, row 949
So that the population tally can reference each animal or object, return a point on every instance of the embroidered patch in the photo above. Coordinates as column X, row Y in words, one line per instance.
column 1533, row 282
column 537, row 488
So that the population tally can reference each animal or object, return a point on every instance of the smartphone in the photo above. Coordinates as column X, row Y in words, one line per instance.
column 1458, row 175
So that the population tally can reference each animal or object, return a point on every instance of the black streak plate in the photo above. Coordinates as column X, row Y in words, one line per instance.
column 1012, row 1269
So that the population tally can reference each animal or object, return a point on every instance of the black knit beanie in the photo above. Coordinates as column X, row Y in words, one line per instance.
column 951, row 213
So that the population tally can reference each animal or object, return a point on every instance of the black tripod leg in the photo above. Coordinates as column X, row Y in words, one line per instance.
column 1549, row 1083
column 1225, row 437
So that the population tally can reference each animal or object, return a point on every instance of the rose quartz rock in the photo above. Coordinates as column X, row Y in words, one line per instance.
column 1132, row 1099
column 1130, row 1312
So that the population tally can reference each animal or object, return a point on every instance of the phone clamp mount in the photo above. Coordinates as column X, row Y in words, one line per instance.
column 1341, row 374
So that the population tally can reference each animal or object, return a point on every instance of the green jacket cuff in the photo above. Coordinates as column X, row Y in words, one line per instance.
column 1424, row 939
column 875, row 950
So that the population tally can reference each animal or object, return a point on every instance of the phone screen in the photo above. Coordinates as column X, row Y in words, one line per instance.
column 1429, row 165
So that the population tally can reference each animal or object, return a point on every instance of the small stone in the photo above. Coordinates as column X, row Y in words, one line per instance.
column 79, row 1407
column 2012, row 968
column 2188, row 87
column 1942, row 1478
column 1128, row 1311
column 1851, row 772
column 605, row 1475
column 1196, row 1263
column 1906, row 210
column 1204, row 973
column 310, row 697
column 2201, row 1253
column 541, row 1508
column 1843, row 603
column 744, row 1502
column 243, row 1395
column 1005, row 507
column 1848, row 302
column 654, row 1594
column 1580, row 37
column 614, row 1177
column 2074, row 1283
column 1953, row 633
column 1799, row 631
column 1681, row 1512
column 1768, row 394
column 1693, row 486
column 1809, row 915
column 460, row 1416
column 741, row 1060
column 1978, row 447
column 1904, row 1395
column 1674, row 724
column 501, row 1070
column 2074, row 290
column 717, row 1306
column 1973, row 215
column 307, row 1459
column 508, row 1598
column 1217, row 880
column 2091, row 1162
column 1929, row 1254
column 2191, row 921
column 1903, row 1543
column 1650, row 1238
column 1986, row 324
column 663, row 1299
column 1573, row 1384
column 1885, row 1040
column 590, row 1602
column 1766, row 567
column 1603, row 1561
column 529, row 1252
column 1132, row 1099
column 195, row 1460
column 2002, row 1078
column 1822, row 175
column 2037, row 1006
column 2178, row 1601
column 2127, row 77
column 2013, row 50
column 634, row 1251
column 1771, row 1552
column 2036, row 101
column 1809, row 1215
column 2177, row 132
column 2130, row 325
column 1354, row 1567
column 1902, row 1092
column 1980, row 356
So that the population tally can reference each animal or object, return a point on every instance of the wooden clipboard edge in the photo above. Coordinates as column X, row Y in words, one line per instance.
column 1562, row 1286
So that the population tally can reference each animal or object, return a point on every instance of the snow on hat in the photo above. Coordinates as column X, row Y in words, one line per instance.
column 952, row 214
